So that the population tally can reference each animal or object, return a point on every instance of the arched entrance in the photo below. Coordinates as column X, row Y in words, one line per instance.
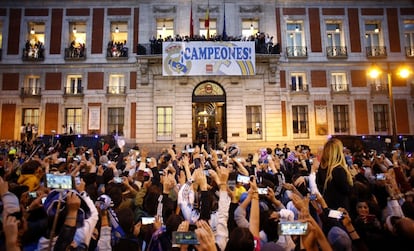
column 209, row 114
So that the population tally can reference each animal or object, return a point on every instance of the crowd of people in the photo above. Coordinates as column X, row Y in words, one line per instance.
column 33, row 50
column 74, row 198
column 263, row 42
column 117, row 49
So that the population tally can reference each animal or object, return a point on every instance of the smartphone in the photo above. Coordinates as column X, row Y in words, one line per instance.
column 231, row 184
column 335, row 214
column 77, row 180
column 243, row 179
column 292, row 228
column 380, row 176
column 32, row 195
column 59, row 181
column 197, row 163
column 262, row 190
column 118, row 180
column 147, row 220
column 206, row 173
column 186, row 238
column 370, row 217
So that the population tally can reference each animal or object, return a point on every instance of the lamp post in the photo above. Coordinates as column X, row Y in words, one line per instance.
column 402, row 72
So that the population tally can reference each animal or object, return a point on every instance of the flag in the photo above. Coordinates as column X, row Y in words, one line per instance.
column 224, row 35
column 207, row 21
column 191, row 22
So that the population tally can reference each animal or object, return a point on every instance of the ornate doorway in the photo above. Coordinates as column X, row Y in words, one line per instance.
column 209, row 114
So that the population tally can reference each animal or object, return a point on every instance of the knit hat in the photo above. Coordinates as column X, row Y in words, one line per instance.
column 339, row 239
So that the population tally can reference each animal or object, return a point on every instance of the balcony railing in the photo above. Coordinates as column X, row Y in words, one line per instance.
column 33, row 54
column 116, row 90
column 409, row 51
column 296, row 51
column 299, row 89
column 379, row 89
column 376, row 51
column 156, row 48
column 30, row 92
column 339, row 88
column 336, row 52
column 73, row 91
column 75, row 53
column 116, row 51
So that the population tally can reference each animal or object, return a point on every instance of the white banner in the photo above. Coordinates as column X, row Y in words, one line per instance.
column 208, row 58
column 94, row 118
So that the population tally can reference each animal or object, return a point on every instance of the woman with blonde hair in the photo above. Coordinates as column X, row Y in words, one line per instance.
column 333, row 176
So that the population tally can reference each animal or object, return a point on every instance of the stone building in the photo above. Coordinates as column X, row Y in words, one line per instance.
column 97, row 67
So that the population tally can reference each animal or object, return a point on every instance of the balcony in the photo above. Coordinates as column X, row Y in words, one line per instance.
column 299, row 90
column 116, row 90
column 336, row 52
column 33, row 54
column 296, row 51
column 30, row 92
column 72, row 91
column 376, row 51
column 339, row 89
column 75, row 54
column 116, row 51
column 409, row 51
column 379, row 89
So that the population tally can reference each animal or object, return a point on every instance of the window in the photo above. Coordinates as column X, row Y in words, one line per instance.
column 373, row 40
column 334, row 41
column 300, row 121
column 116, row 84
column 298, row 82
column 254, row 122
column 35, row 40
column 341, row 118
column 32, row 85
column 31, row 116
column 77, row 40
column 381, row 118
column 295, row 39
column 1, row 38
column 164, row 123
column 212, row 28
column 74, row 120
column 74, row 84
column 165, row 28
column 339, row 83
column 117, row 46
column 409, row 38
column 116, row 121
column 250, row 28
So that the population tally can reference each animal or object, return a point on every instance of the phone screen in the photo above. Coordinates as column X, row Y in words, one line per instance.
column 335, row 214
column 262, row 190
column 118, row 180
column 147, row 220
column 60, row 181
column 293, row 228
column 187, row 238
column 243, row 179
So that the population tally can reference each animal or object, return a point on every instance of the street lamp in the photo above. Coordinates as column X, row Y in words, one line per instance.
column 402, row 72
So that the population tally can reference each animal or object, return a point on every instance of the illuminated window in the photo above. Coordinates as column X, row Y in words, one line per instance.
column 31, row 115
column 250, row 28
column 73, row 118
column 254, row 122
column 409, row 37
column 298, row 82
column 165, row 28
column 32, row 85
column 164, row 123
column 338, row 81
column 73, row 84
column 116, row 84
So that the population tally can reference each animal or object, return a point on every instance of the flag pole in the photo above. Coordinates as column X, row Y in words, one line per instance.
column 208, row 19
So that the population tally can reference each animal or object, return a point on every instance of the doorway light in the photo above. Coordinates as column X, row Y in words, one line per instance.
column 32, row 31
column 116, row 29
column 337, row 28
column 74, row 29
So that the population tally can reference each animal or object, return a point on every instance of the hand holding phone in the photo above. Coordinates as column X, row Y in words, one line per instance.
column 335, row 214
column 243, row 179
column 185, row 238
column 292, row 228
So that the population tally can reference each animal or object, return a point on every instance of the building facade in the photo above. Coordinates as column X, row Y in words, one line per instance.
column 96, row 67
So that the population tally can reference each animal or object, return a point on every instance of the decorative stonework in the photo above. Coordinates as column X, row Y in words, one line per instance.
column 211, row 9
column 251, row 9
column 170, row 9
